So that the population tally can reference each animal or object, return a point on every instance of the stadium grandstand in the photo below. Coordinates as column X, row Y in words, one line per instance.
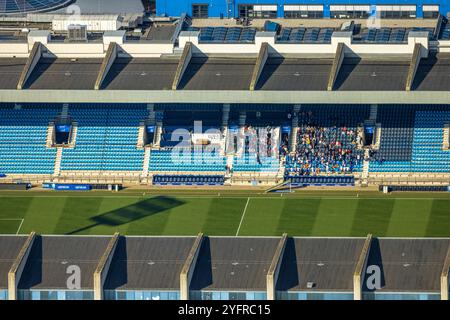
column 223, row 268
column 252, row 148
column 229, row 106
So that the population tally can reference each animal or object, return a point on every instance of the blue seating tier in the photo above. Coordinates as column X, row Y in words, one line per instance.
column 106, row 139
column 23, row 134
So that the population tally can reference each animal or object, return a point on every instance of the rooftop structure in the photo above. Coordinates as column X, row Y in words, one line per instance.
column 226, row 268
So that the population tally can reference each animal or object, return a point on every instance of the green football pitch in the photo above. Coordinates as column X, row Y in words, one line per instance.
column 228, row 214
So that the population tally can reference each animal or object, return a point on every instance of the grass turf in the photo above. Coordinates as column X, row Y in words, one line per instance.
column 251, row 214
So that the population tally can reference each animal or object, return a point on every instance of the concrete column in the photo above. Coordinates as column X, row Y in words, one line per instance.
column 358, row 275
column 337, row 63
column 32, row 61
column 274, row 269
column 182, row 65
column 189, row 266
column 16, row 270
column 445, row 284
column 259, row 65
column 413, row 66
column 101, row 271
column 108, row 61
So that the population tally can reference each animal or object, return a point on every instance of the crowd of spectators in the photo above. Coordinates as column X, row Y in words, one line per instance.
column 325, row 150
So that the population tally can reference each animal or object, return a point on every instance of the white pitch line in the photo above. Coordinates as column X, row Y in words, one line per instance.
column 20, row 226
column 242, row 218
column 15, row 219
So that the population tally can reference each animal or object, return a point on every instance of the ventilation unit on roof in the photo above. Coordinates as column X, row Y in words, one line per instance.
column 310, row 285
column 77, row 32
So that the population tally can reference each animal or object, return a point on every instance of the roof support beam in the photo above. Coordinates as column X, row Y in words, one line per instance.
column 413, row 65
column 188, row 267
column 33, row 60
column 358, row 275
column 182, row 65
column 337, row 63
column 274, row 269
column 101, row 271
column 16, row 270
column 108, row 61
column 438, row 27
column 263, row 55
column 445, row 283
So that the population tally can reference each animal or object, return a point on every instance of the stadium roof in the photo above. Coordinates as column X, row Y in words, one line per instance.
column 51, row 255
column 319, row 261
column 107, row 6
column 79, row 74
column 229, row 74
column 233, row 264
column 10, row 70
column 18, row 7
column 227, row 80
column 9, row 249
column 141, row 74
column 148, row 262
column 409, row 265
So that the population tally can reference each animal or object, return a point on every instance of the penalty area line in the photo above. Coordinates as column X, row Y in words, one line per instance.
column 243, row 215
column 15, row 219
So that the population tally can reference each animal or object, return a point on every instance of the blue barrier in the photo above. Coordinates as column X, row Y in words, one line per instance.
column 328, row 181
column 188, row 180
column 2, row 175
column 67, row 186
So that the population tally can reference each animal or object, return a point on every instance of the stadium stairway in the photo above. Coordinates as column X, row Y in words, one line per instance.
column 146, row 165
column 57, row 169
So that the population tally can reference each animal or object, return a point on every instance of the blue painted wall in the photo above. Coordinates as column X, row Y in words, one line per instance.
column 217, row 7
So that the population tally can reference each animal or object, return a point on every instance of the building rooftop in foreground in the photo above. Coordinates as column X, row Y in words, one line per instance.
column 227, row 264
column 409, row 265
column 319, row 261
column 148, row 262
column 46, row 266
column 299, row 267
column 9, row 249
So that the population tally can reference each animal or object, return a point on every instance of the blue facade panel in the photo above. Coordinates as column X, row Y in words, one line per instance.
column 229, row 8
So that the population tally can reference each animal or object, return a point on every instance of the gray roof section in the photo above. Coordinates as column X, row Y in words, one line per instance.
column 282, row 80
column 106, row 6
column 218, row 74
column 9, row 249
column 70, row 74
column 327, row 262
column 233, row 264
column 10, row 71
column 295, row 74
column 433, row 74
column 372, row 75
column 413, row 265
column 141, row 74
column 148, row 262
column 51, row 255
